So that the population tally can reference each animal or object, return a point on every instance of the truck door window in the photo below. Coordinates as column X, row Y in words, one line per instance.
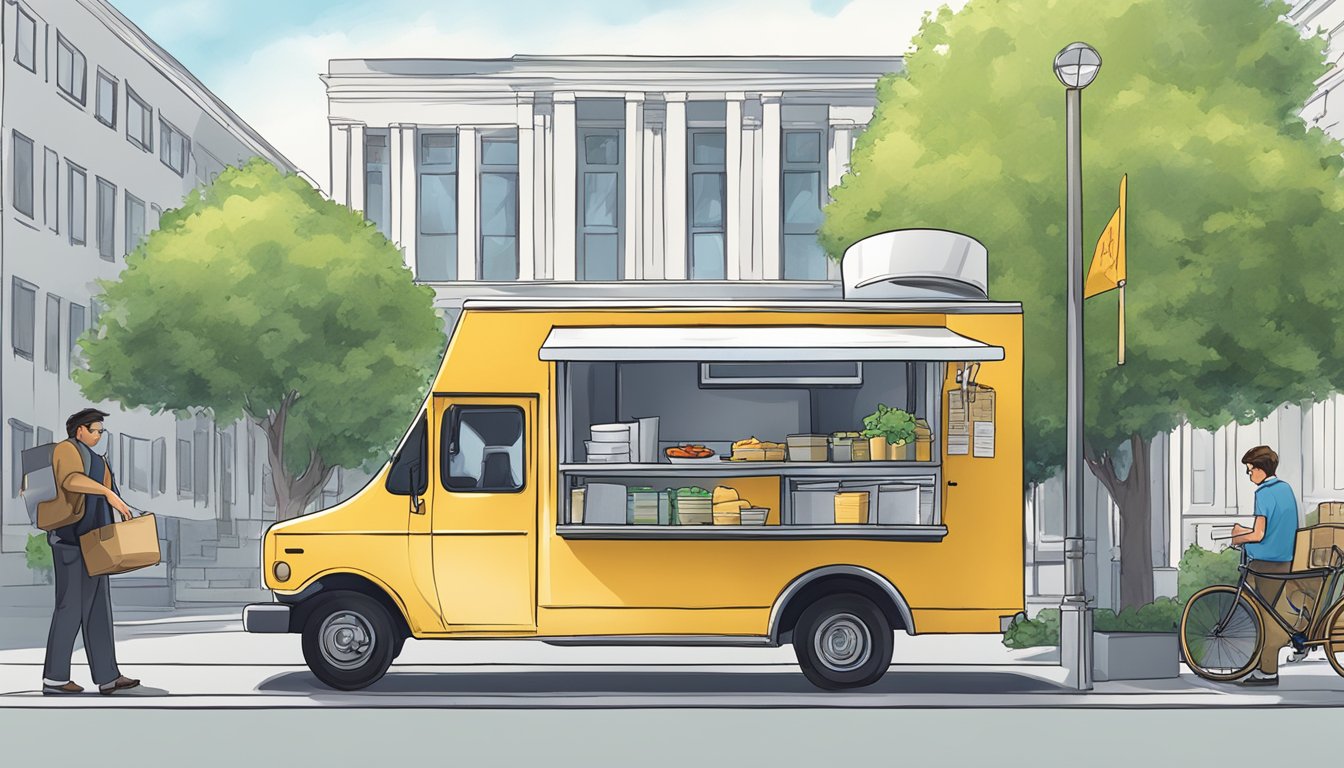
column 482, row 449
column 409, row 475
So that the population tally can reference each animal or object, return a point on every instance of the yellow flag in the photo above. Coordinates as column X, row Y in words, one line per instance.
column 1108, row 260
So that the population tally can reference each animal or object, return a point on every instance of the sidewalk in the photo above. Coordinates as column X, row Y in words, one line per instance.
column 206, row 660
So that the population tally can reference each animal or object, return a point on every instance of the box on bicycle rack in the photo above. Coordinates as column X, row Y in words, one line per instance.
column 1315, row 546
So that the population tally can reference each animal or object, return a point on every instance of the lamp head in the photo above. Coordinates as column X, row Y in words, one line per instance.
column 1077, row 65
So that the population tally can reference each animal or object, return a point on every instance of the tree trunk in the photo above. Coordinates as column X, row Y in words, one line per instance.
column 1133, row 496
column 292, row 494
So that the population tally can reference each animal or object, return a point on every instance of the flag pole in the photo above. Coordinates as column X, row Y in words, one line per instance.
column 1121, row 345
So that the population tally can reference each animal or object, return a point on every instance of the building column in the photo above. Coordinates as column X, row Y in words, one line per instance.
column 771, row 138
column 674, row 188
column 526, row 186
column 732, row 188
column 356, row 184
column 338, row 183
column 466, row 203
column 634, row 186
column 543, row 178
column 652, row 236
column 393, row 181
column 407, row 209
column 564, row 184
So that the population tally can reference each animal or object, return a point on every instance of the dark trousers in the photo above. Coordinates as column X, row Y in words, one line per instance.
column 82, row 602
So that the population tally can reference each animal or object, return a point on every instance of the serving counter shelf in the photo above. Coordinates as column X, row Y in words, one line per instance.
column 741, row 532
column 830, row 469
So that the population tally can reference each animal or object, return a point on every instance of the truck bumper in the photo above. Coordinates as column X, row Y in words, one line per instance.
column 266, row 617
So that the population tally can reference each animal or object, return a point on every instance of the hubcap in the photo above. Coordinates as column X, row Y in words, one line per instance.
column 347, row 640
column 842, row 643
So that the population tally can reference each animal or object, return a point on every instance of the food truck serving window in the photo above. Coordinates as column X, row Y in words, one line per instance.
column 482, row 449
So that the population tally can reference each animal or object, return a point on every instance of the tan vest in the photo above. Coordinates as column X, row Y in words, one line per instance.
column 68, row 506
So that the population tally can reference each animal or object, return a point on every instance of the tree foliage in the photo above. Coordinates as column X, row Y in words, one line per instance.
column 1234, row 211
column 260, row 298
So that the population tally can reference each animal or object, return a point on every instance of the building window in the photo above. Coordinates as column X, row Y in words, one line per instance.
column 436, row 241
column 23, row 322
column 158, row 467
column 498, row 251
column 184, row 475
column 705, row 189
column 136, row 463
column 70, row 70
column 20, row 440
column 105, row 102
column 51, row 190
column 52, row 349
column 26, row 41
column 174, row 147
column 135, row 222
column 1201, row 466
column 601, row 187
column 44, row 436
column 78, row 325
column 23, row 174
column 804, row 171
column 155, row 214
column 377, row 191
column 139, row 121
column 78, row 203
column 107, row 219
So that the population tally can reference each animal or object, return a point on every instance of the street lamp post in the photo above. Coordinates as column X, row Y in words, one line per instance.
column 1076, row 67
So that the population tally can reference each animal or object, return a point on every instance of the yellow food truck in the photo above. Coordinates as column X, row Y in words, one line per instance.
column 681, row 473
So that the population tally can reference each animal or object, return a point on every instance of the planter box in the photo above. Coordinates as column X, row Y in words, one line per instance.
column 1134, row 655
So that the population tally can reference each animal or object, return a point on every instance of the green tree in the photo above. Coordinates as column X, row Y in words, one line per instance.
column 1234, row 212
column 259, row 298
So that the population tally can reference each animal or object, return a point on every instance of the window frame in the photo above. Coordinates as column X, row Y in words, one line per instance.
column 452, row 422
column 145, row 141
column 16, row 285
column 51, row 189
column 103, row 76
column 15, row 138
column 73, row 170
column 167, row 134
column 185, row 486
column 51, row 346
column 73, row 355
column 18, row 445
column 719, row 170
column 19, row 18
column 106, row 240
column 787, row 167
column 508, row 170
column 82, row 98
column 384, row 169
column 130, row 202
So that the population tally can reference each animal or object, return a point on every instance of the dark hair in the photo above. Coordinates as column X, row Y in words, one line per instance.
column 84, row 418
column 1262, row 457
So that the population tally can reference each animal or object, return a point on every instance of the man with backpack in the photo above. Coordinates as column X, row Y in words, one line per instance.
column 83, row 502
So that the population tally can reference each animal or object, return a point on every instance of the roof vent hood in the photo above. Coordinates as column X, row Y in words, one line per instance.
column 916, row 264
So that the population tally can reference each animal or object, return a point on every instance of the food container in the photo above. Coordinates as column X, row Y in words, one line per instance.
column 576, row 505
column 641, row 507
column 612, row 458
column 604, row 504
column 754, row 515
column 851, row 508
column 923, row 441
column 694, row 512
column 807, row 447
column 898, row 504
column 842, row 446
column 870, row 487
column 814, row 503
column 860, row 450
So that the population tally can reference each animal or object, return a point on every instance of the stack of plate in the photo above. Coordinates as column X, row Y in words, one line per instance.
column 610, row 444
column 851, row 508
column 754, row 515
column 695, row 510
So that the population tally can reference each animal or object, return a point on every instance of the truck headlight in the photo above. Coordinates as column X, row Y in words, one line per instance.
column 281, row 570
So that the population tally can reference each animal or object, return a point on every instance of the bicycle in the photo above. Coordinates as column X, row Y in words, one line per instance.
column 1222, row 627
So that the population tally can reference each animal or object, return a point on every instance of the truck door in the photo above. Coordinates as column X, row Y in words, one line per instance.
column 484, row 511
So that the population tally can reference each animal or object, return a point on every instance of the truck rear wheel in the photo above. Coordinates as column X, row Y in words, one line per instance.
column 843, row 641
column 349, row 641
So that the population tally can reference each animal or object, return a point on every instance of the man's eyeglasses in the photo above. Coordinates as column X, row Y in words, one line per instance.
column 1249, row 470
column 98, row 431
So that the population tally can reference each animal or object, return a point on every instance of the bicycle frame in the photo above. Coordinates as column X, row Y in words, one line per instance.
column 1300, row 640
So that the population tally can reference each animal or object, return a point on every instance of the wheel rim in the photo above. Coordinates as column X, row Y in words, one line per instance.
column 1224, row 651
column 1334, row 641
column 842, row 643
column 346, row 640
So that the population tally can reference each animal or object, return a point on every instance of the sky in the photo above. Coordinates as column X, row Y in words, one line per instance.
column 263, row 57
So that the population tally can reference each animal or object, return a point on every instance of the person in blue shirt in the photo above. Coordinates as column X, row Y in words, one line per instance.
column 1269, row 549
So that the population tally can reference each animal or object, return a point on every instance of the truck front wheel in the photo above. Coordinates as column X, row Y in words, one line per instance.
column 349, row 641
column 843, row 641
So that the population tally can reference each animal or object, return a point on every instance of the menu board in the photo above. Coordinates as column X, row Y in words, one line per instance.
column 970, row 426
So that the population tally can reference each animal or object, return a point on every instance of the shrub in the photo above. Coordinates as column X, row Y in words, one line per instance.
column 1201, row 568
column 38, row 553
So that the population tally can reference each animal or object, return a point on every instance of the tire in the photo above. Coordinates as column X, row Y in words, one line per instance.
column 1221, row 655
column 1334, row 639
column 843, row 641
column 349, row 641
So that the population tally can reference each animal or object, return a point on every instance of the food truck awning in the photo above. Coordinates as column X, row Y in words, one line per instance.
column 775, row 343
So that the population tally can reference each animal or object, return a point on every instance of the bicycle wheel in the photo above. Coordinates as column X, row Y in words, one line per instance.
column 1225, row 654
column 1334, row 639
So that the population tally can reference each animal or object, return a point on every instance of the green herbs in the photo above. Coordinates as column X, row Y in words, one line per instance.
column 896, row 425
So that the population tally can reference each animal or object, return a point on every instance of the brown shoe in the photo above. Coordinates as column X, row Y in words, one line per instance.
column 70, row 687
column 120, row 684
